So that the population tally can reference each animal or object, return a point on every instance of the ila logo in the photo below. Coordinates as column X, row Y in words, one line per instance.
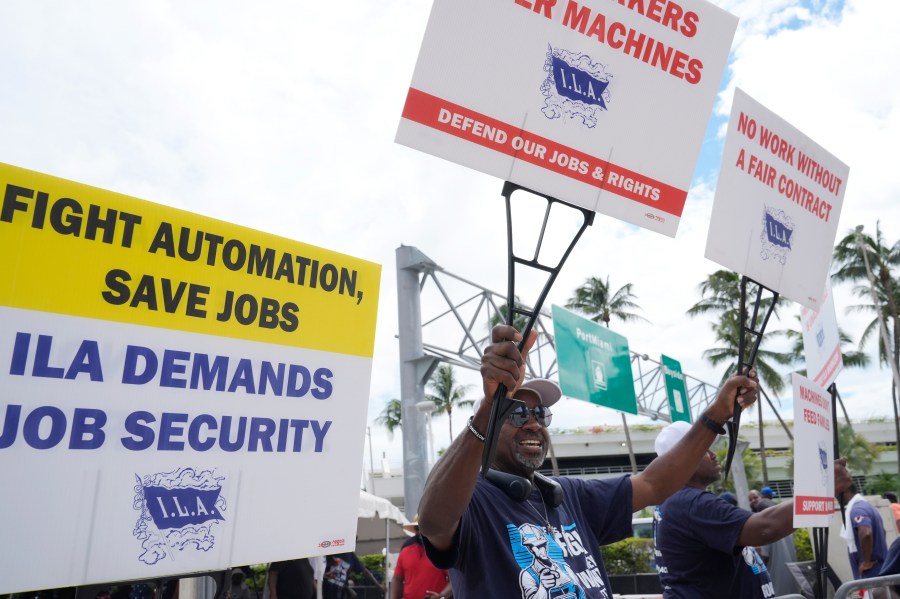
column 777, row 236
column 178, row 509
column 575, row 87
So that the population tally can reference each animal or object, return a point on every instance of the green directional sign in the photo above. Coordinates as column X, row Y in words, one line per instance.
column 594, row 362
column 676, row 389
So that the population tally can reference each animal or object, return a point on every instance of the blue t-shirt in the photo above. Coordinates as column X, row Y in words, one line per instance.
column 864, row 514
column 696, row 535
column 503, row 550
column 337, row 574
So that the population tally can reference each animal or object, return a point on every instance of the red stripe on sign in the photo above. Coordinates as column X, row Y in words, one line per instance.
column 806, row 505
column 485, row 131
column 830, row 366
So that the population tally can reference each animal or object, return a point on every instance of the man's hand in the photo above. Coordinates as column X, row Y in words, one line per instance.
column 737, row 389
column 502, row 362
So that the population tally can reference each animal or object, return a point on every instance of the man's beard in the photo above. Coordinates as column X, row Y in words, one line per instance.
column 530, row 463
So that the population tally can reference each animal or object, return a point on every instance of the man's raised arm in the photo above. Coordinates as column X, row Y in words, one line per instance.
column 670, row 471
column 451, row 483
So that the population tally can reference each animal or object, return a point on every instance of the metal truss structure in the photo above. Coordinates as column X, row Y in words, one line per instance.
column 456, row 334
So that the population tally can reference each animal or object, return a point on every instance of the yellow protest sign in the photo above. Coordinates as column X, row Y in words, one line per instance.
column 78, row 250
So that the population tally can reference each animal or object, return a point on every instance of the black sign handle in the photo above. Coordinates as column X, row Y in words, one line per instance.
column 751, row 327
column 502, row 405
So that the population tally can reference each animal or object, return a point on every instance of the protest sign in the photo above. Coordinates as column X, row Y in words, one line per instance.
column 813, row 454
column 600, row 104
column 821, row 341
column 180, row 394
column 777, row 204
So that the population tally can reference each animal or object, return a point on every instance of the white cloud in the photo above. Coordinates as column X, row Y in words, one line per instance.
column 281, row 116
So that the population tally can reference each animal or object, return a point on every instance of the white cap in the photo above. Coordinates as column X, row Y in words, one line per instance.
column 547, row 390
column 670, row 435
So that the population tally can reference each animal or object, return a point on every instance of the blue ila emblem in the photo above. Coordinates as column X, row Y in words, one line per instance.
column 777, row 236
column 823, row 463
column 575, row 87
column 178, row 509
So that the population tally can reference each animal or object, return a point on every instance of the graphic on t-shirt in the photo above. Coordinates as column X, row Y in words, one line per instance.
column 758, row 567
column 338, row 572
column 753, row 559
column 545, row 573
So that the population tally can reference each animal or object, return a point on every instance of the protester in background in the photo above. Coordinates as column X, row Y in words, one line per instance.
column 291, row 579
column 757, row 502
column 337, row 575
column 545, row 541
column 895, row 507
column 415, row 577
column 239, row 589
column 705, row 546
column 864, row 533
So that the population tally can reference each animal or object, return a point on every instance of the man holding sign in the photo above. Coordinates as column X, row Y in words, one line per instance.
column 864, row 532
column 546, row 541
column 705, row 545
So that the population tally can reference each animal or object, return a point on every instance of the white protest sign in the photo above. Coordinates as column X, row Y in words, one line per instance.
column 777, row 204
column 597, row 103
column 180, row 394
column 821, row 341
column 813, row 454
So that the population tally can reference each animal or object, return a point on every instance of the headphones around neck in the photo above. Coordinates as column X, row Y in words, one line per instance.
column 519, row 488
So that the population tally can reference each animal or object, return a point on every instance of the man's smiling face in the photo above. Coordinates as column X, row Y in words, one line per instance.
column 522, row 450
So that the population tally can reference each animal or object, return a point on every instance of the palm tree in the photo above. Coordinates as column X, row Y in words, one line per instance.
column 850, row 266
column 594, row 300
column 721, row 299
column 860, row 453
column 447, row 394
column 391, row 416
column 883, row 260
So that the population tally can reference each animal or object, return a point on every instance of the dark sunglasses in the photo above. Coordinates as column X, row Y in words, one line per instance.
column 520, row 414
